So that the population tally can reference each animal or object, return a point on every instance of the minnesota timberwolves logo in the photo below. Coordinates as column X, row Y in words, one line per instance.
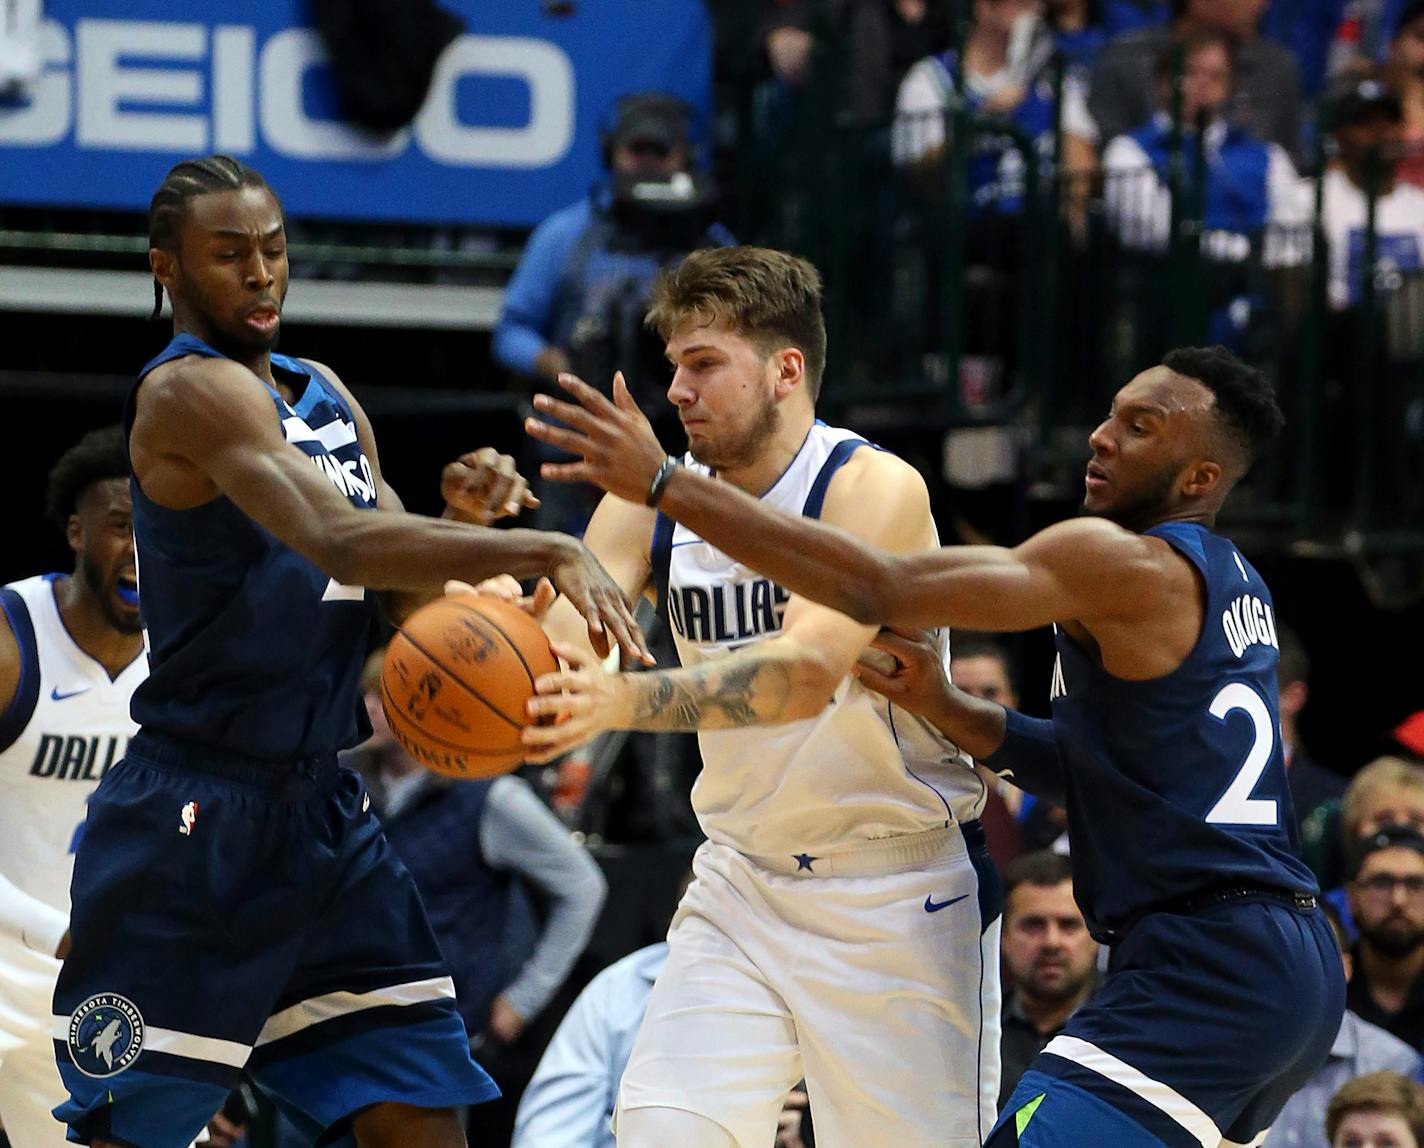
column 105, row 1035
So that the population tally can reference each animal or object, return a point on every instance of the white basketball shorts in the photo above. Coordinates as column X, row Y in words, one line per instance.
column 873, row 973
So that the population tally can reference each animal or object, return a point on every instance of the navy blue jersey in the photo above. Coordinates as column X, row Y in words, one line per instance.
column 1178, row 784
column 252, row 649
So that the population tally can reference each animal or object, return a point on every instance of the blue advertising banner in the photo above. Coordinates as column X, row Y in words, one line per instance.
column 508, row 133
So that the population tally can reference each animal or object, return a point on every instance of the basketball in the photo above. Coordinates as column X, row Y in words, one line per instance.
column 455, row 680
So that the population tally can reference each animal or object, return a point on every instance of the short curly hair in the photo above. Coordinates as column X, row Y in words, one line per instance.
column 1246, row 406
column 99, row 455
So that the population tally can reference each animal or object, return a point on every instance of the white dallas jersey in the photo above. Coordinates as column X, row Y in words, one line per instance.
column 67, row 725
column 861, row 768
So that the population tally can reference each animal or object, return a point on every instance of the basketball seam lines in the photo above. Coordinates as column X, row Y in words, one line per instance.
column 454, row 677
column 385, row 689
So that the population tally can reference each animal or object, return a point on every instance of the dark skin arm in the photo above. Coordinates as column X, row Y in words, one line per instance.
column 204, row 428
column 478, row 487
column 1127, row 598
column 913, row 677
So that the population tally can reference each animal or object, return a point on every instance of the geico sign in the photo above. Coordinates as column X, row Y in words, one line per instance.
column 216, row 90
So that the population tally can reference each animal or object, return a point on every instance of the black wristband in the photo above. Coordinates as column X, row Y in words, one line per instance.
column 660, row 480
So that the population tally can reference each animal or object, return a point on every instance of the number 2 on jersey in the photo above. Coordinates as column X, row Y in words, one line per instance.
column 1236, row 806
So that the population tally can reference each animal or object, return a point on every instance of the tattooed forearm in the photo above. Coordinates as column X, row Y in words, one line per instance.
column 739, row 692
column 666, row 701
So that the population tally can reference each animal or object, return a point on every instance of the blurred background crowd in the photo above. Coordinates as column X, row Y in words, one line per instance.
column 1016, row 205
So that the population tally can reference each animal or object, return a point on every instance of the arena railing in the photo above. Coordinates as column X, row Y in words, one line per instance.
column 364, row 275
column 1028, row 304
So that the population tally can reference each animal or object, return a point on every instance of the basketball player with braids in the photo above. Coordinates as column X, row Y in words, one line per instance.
column 234, row 901
column 844, row 920
column 1224, row 991
column 70, row 657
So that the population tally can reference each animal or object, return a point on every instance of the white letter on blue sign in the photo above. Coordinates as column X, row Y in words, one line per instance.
column 104, row 83
column 547, row 71
column 234, row 59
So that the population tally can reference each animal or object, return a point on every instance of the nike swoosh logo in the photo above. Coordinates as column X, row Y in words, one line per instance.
column 55, row 695
column 933, row 906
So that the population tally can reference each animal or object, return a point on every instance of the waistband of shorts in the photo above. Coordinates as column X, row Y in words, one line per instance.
column 881, row 855
column 1212, row 898
column 182, row 756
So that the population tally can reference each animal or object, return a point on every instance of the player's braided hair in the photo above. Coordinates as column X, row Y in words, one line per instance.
column 1245, row 400
column 99, row 455
column 184, row 183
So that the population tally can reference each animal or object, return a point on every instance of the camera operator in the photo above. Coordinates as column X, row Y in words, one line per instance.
column 577, row 299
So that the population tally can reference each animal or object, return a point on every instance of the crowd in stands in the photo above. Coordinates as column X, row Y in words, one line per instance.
column 1265, row 143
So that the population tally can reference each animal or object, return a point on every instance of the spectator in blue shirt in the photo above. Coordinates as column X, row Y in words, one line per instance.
column 1249, row 183
column 1266, row 100
column 1002, row 73
column 577, row 299
column 569, row 1102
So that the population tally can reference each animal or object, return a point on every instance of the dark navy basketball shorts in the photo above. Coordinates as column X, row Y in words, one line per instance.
column 232, row 914
column 1204, row 1026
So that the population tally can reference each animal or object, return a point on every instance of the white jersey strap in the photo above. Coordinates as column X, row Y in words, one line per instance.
column 816, row 497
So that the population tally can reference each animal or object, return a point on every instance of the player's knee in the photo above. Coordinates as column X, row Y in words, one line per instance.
column 405, row 1126
column 659, row 1127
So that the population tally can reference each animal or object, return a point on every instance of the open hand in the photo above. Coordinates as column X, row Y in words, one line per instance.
column 593, row 593
column 484, row 485
column 616, row 445
column 577, row 703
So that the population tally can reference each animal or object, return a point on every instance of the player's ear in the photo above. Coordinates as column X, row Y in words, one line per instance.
column 1202, row 479
column 164, row 265
column 74, row 533
column 790, row 371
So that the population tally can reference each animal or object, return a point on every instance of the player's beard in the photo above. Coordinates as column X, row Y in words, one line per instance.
column 1053, row 992
column 1394, row 936
column 1141, row 510
column 745, row 448
column 102, row 584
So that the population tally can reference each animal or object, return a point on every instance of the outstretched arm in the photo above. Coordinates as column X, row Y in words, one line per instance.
column 1058, row 575
column 207, row 429
column 479, row 487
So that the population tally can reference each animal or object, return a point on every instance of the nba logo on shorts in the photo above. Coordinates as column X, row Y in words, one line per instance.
column 105, row 1035
column 187, row 817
